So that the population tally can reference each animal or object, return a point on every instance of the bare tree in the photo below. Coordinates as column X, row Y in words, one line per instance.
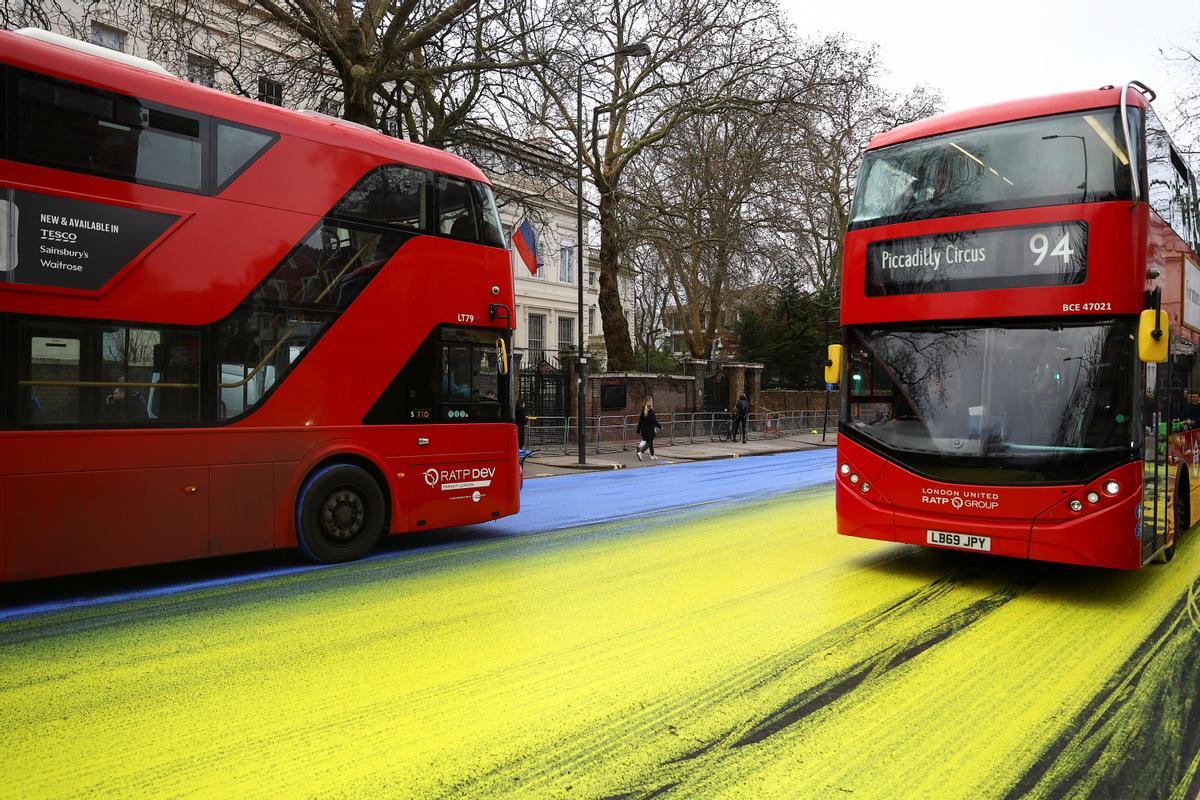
column 651, row 297
column 1185, row 61
column 413, row 68
column 761, row 195
column 392, row 50
column 700, row 200
column 704, row 54
column 827, row 143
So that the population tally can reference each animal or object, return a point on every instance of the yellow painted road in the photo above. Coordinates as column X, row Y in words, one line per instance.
column 736, row 651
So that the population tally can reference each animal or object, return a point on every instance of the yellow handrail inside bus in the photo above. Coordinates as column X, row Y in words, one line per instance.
column 112, row 384
column 287, row 334
column 501, row 357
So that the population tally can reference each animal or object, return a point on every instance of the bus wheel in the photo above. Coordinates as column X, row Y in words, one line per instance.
column 1183, row 515
column 339, row 513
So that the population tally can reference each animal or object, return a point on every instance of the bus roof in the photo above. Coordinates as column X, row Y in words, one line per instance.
column 35, row 54
column 1008, row 111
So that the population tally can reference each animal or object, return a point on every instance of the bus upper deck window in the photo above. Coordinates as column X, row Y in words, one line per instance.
column 489, row 218
column 237, row 148
column 75, row 127
column 456, row 209
column 391, row 195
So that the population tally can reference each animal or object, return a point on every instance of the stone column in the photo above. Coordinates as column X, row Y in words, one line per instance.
column 735, row 376
column 697, row 369
column 754, row 385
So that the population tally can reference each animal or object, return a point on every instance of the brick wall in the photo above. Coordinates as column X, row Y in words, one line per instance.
column 672, row 394
column 797, row 400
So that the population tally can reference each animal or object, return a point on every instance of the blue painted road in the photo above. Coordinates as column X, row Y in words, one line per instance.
column 570, row 500
column 547, row 504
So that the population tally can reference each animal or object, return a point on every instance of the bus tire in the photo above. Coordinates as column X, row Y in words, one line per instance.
column 1183, row 514
column 340, row 514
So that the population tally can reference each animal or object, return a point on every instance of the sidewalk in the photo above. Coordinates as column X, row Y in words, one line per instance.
column 542, row 464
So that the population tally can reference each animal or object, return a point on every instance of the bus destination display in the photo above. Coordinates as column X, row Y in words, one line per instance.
column 68, row 243
column 1049, row 254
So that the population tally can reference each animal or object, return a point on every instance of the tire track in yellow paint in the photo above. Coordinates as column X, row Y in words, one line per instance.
column 1140, row 736
column 873, row 635
column 971, row 721
column 871, row 639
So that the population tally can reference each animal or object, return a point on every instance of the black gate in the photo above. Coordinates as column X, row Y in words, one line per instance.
column 716, row 391
column 544, row 389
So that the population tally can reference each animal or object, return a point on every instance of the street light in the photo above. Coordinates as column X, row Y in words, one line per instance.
column 639, row 50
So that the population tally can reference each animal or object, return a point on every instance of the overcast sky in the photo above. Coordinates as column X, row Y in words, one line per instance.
column 984, row 52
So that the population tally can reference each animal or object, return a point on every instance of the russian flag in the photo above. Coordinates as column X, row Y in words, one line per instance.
column 524, row 246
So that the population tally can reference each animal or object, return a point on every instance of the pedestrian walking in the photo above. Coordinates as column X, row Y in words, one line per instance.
column 742, row 415
column 648, row 427
column 521, row 419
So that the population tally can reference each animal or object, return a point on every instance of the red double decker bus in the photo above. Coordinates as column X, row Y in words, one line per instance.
column 1020, row 311
column 227, row 327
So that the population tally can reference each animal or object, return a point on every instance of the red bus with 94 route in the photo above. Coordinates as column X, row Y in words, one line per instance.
column 1020, row 312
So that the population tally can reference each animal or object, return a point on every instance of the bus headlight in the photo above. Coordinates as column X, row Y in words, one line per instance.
column 1093, row 498
column 845, row 469
column 1075, row 505
column 1111, row 488
column 865, row 487
column 854, row 477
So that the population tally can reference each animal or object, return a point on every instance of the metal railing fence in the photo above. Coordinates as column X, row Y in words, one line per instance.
column 614, row 433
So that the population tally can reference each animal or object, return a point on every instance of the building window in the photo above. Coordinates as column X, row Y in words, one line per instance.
column 591, row 279
column 270, row 91
column 541, row 265
column 566, row 334
column 201, row 70
column 591, row 321
column 108, row 36
column 536, row 338
column 565, row 272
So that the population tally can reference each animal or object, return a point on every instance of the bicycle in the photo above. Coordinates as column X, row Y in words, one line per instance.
column 727, row 432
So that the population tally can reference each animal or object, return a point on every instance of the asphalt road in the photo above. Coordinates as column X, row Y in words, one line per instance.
column 693, row 631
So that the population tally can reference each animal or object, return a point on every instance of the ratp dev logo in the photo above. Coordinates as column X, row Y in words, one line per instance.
column 431, row 477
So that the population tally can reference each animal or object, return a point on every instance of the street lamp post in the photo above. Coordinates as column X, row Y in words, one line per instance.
column 641, row 50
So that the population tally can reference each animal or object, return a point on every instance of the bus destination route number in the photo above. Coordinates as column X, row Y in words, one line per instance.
column 1048, row 254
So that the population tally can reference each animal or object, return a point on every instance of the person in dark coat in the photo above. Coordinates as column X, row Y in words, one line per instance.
column 648, row 427
column 125, row 405
column 742, row 415
column 521, row 418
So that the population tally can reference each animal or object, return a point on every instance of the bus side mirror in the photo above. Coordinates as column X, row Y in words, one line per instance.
column 501, row 357
column 1153, row 336
column 833, row 364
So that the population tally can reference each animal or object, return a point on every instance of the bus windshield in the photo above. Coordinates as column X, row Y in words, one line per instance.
column 1067, row 158
column 1037, row 403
